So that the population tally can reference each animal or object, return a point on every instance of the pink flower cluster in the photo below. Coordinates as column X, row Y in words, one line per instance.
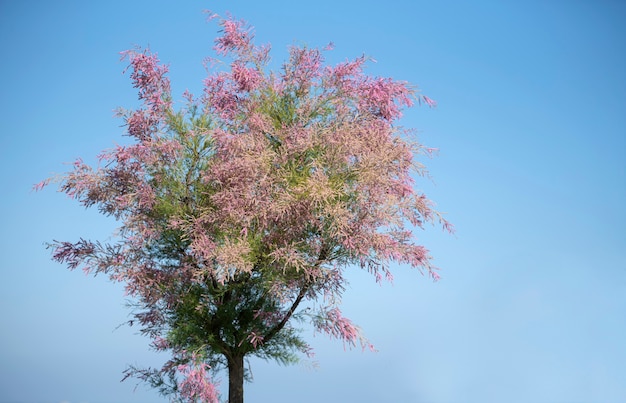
column 235, row 37
column 303, row 67
column 337, row 326
column 220, row 96
column 247, row 78
column 197, row 383
column 384, row 97
column 149, row 77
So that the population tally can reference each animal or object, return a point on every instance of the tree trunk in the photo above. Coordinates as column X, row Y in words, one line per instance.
column 235, row 379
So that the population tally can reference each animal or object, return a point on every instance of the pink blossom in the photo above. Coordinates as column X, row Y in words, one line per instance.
column 430, row 102
column 197, row 383
column 141, row 124
column 73, row 254
column 220, row 95
column 255, row 339
column 235, row 37
column 210, row 15
column 246, row 77
column 160, row 344
column 188, row 96
column 149, row 77
column 39, row 186
column 303, row 67
column 383, row 97
column 344, row 71
column 334, row 324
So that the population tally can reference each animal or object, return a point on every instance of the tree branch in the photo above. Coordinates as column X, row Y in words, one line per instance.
column 280, row 325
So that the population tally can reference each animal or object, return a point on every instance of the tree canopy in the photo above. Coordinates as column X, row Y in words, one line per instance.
column 242, row 211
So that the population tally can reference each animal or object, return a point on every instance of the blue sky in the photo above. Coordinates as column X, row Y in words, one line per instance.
column 531, row 127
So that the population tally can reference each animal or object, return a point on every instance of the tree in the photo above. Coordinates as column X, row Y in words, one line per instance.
column 242, row 211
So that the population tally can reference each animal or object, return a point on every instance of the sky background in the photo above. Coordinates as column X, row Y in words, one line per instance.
column 531, row 127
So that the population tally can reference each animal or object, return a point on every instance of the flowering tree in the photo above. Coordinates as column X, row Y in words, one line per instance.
column 241, row 212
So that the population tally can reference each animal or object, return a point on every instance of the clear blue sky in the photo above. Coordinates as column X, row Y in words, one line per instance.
column 531, row 127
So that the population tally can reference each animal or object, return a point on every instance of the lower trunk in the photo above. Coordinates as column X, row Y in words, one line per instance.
column 235, row 379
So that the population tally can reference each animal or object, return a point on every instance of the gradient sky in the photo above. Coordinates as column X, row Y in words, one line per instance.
column 531, row 127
